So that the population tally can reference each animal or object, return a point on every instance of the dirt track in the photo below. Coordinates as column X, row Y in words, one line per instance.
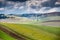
column 11, row 33
column 53, row 24
column 0, row 39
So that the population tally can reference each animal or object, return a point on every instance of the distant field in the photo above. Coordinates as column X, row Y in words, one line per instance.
column 35, row 32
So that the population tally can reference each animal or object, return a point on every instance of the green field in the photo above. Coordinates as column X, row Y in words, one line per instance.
column 34, row 32
column 5, row 36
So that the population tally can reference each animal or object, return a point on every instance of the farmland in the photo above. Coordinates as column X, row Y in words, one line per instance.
column 34, row 32
column 5, row 36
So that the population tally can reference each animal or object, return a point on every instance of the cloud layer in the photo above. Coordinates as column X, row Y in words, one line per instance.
column 35, row 6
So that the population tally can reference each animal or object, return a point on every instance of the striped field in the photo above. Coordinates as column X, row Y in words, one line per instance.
column 33, row 32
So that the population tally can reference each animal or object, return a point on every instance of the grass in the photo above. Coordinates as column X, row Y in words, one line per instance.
column 35, row 32
column 50, row 29
column 5, row 36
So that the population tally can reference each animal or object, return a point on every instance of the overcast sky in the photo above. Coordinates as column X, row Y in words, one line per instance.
column 25, row 6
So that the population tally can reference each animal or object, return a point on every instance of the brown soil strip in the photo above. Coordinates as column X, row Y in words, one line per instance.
column 53, row 24
column 14, row 35
column 53, row 21
column 1, row 39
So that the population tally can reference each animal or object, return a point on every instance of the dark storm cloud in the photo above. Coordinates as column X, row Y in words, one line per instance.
column 50, row 3
column 3, row 2
column 18, row 0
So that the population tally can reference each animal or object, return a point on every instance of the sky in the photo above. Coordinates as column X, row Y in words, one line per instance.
column 18, row 0
column 29, row 6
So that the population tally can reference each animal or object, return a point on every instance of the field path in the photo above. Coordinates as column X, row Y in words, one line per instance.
column 14, row 35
